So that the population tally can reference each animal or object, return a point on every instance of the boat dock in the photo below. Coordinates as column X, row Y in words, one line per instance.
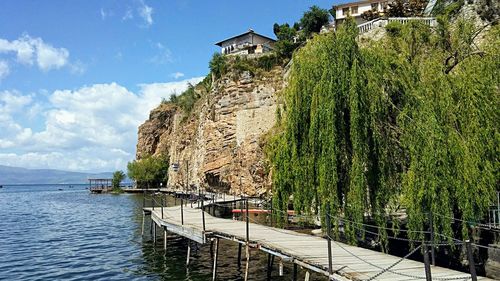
column 335, row 260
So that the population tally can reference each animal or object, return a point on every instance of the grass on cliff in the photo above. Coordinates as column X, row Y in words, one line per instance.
column 220, row 66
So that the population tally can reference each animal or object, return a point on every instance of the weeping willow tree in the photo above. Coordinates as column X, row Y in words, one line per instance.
column 449, row 125
column 336, row 148
column 367, row 130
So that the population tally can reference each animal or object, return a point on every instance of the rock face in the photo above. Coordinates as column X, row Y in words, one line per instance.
column 219, row 145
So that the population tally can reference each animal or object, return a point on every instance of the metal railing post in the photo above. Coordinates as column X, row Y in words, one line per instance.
column 241, row 207
column 271, row 207
column 328, row 239
column 203, row 214
column 427, row 264
column 433, row 255
column 182, row 212
column 144, row 198
column 162, row 206
column 470, row 256
column 247, row 219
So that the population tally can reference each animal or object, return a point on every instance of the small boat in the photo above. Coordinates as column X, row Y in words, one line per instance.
column 1, row 186
column 60, row 189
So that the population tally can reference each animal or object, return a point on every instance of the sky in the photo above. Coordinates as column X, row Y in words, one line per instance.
column 78, row 77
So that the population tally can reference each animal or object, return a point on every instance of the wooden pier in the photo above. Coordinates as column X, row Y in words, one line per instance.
column 308, row 252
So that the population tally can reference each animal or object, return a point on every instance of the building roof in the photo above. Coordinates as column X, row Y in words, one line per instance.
column 250, row 31
column 358, row 3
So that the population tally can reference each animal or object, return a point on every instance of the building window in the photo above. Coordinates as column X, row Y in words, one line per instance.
column 345, row 11
column 374, row 6
column 354, row 10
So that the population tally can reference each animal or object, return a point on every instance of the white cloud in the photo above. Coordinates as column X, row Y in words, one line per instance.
column 29, row 50
column 103, row 14
column 91, row 128
column 146, row 13
column 49, row 57
column 177, row 75
column 128, row 15
column 4, row 69
column 77, row 67
column 163, row 56
column 12, row 103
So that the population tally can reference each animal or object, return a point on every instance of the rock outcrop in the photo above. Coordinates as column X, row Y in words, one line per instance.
column 219, row 144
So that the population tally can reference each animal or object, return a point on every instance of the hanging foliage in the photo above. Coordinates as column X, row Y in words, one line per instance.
column 368, row 130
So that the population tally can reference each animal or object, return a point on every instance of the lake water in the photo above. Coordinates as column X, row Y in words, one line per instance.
column 69, row 234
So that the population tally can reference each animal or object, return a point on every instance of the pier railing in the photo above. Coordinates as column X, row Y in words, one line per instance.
column 426, row 247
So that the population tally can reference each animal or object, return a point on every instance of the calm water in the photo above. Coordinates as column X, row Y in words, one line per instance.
column 70, row 234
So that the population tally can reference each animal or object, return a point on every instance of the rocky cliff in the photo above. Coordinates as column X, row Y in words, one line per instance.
column 219, row 144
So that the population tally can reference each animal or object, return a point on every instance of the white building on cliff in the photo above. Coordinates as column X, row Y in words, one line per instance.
column 355, row 9
column 249, row 42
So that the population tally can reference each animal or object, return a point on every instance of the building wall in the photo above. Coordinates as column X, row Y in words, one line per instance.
column 250, row 39
column 361, row 8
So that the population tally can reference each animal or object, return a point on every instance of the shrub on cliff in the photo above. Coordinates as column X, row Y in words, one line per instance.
column 218, row 65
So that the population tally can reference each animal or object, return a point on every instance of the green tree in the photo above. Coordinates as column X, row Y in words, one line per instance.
column 390, row 125
column 406, row 8
column 288, row 40
column 313, row 20
column 218, row 65
column 370, row 15
column 149, row 171
column 118, row 177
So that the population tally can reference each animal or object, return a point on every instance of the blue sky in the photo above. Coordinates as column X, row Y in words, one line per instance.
column 78, row 77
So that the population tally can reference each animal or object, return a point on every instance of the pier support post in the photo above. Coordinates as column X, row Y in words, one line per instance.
column 472, row 266
column 143, row 218
column 269, row 266
column 307, row 276
column 216, row 254
column 165, row 238
column 280, row 268
column 295, row 272
column 239, row 255
column 154, row 232
column 247, row 266
column 188, row 253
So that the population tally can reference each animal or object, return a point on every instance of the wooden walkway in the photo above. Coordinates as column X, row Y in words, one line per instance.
column 307, row 251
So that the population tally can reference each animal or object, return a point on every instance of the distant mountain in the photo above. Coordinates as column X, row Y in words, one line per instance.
column 16, row 175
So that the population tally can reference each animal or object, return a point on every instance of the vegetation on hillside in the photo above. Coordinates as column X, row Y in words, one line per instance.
column 118, row 177
column 290, row 38
column 219, row 66
column 149, row 172
column 408, row 122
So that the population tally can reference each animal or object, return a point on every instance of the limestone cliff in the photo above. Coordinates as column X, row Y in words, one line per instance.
column 218, row 145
